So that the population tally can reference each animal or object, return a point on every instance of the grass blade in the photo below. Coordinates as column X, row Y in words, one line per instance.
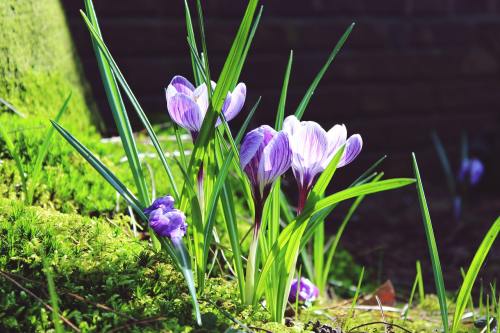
column 284, row 90
column 135, row 103
column 37, row 169
column 117, row 107
column 433, row 251
column 12, row 108
column 53, row 297
column 310, row 91
column 473, row 271
column 103, row 170
column 11, row 147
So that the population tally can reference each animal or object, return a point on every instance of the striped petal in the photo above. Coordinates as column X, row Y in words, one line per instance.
column 185, row 112
column 352, row 149
column 276, row 159
column 179, row 84
column 236, row 101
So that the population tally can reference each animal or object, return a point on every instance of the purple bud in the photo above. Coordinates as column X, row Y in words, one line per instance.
column 305, row 290
column 165, row 203
column 471, row 171
column 171, row 224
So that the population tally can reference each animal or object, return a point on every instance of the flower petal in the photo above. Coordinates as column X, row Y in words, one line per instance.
column 352, row 149
column 290, row 125
column 179, row 84
column 337, row 136
column 276, row 159
column 200, row 96
column 236, row 101
column 250, row 145
column 185, row 112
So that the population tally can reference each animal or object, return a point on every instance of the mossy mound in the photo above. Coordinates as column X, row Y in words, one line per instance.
column 108, row 280
column 38, row 63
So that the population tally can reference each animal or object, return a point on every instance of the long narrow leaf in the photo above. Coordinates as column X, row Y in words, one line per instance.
column 470, row 277
column 103, row 170
column 37, row 168
column 135, row 103
column 433, row 251
column 310, row 91
column 11, row 147
column 117, row 106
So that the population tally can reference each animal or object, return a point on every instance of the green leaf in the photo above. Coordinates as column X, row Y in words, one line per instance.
column 185, row 265
column 296, row 227
column 104, row 171
column 135, row 103
column 37, row 169
column 473, row 271
column 16, row 156
column 12, row 108
column 310, row 91
column 54, row 300
column 117, row 107
column 284, row 91
column 431, row 242
column 192, row 43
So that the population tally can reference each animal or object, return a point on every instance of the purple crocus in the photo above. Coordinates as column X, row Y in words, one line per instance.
column 304, row 290
column 264, row 155
column 165, row 203
column 313, row 148
column 165, row 220
column 471, row 171
column 188, row 105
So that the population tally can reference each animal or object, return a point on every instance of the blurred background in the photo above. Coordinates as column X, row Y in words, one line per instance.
column 410, row 67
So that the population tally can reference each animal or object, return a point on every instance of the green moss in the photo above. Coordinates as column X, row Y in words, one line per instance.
column 38, row 63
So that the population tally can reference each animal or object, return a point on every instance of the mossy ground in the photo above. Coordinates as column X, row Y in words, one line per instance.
column 109, row 280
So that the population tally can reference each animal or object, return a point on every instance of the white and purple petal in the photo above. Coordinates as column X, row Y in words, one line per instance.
column 352, row 149
column 276, row 159
column 234, row 101
column 185, row 112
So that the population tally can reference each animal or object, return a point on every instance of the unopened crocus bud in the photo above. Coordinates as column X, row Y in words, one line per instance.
column 165, row 203
column 171, row 224
column 304, row 290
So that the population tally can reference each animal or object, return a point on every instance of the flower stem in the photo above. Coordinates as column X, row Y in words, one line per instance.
column 252, row 256
column 303, row 192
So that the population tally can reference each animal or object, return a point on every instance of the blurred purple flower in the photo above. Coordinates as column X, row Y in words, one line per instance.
column 171, row 224
column 313, row 148
column 264, row 155
column 471, row 171
column 304, row 290
column 165, row 203
column 188, row 105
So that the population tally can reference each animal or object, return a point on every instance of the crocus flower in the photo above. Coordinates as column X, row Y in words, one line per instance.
column 165, row 203
column 304, row 290
column 471, row 171
column 188, row 105
column 171, row 224
column 165, row 220
column 264, row 155
column 313, row 148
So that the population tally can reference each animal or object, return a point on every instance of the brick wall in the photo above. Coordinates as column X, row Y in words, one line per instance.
column 410, row 66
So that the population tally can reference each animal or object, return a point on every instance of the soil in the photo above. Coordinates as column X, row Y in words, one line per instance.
column 387, row 236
